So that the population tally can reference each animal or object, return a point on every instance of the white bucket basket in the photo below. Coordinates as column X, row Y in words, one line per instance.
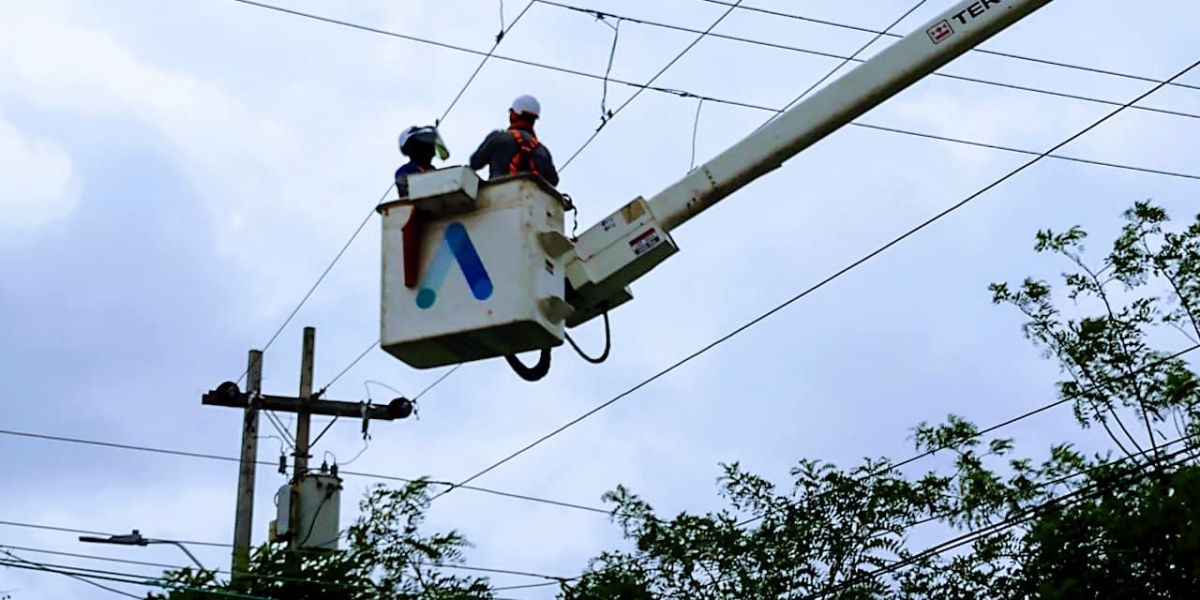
column 472, row 269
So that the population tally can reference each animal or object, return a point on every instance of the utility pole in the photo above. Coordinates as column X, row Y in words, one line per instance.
column 305, row 405
column 244, row 517
column 303, row 420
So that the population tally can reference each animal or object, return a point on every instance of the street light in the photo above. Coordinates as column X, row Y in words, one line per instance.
column 135, row 539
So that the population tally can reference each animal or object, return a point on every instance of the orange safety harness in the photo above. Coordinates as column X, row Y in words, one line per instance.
column 524, row 154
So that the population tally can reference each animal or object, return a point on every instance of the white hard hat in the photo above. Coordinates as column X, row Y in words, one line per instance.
column 527, row 104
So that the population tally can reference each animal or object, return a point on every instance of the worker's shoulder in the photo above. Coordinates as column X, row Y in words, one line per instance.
column 498, row 136
column 409, row 168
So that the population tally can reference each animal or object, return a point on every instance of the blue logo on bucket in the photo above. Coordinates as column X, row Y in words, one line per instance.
column 456, row 246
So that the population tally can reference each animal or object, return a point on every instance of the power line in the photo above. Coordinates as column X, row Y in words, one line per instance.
column 527, row 586
column 857, row 263
column 578, row 73
column 232, row 459
column 352, row 364
column 499, row 38
column 285, row 436
column 358, row 359
column 1009, row 55
column 41, row 567
column 439, row 380
column 1076, row 159
column 854, row 58
column 649, row 83
column 1077, row 496
column 117, row 576
column 139, row 563
column 552, row 578
column 726, row 101
column 1034, row 412
column 1065, row 478
column 157, row 565
column 325, row 273
column 752, row 106
column 371, row 347
column 491, row 570
column 1003, row 424
column 663, row 25
column 120, row 577
column 98, row 533
column 424, row 391
column 975, row 534
column 86, row 577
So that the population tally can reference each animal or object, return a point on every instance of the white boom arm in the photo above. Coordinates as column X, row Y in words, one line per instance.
column 632, row 241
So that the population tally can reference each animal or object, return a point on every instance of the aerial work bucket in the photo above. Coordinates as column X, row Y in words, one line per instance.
column 472, row 269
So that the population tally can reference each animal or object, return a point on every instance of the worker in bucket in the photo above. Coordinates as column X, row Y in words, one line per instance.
column 419, row 144
column 517, row 149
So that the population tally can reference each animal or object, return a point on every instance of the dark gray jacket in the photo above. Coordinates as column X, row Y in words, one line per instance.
column 498, row 149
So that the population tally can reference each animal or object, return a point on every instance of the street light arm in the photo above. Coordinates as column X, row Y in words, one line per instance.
column 136, row 539
column 181, row 547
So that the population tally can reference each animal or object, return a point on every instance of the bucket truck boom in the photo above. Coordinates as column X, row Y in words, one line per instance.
column 633, row 240
column 523, row 281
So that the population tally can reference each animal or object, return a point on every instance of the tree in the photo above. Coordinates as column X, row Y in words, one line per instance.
column 1149, row 282
column 1065, row 526
column 386, row 557
column 1139, row 542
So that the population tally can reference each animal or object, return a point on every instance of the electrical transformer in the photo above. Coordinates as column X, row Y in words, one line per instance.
column 320, row 499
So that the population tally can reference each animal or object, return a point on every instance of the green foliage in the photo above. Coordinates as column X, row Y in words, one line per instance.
column 1065, row 526
column 1132, row 542
column 1148, row 283
column 386, row 557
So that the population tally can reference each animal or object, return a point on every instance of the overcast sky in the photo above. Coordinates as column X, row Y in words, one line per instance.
column 174, row 175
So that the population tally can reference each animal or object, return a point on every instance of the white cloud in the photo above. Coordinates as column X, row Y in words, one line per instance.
column 252, row 158
column 37, row 180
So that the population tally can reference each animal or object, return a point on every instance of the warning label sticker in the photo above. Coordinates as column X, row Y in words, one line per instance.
column 938, row 33
column 645, row 241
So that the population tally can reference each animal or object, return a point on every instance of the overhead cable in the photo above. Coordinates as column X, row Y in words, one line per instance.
column 1020, row 517
column 232, row 459
column 321, row 278
column 95, row 557
column 727, row 101
column 1009, row 55
column 457, row 567
column 499, row 38
column 855, row 58
column 40, row 567
column 117, row 576
column 831, row 278
column 650, row 82
column 959, row 441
